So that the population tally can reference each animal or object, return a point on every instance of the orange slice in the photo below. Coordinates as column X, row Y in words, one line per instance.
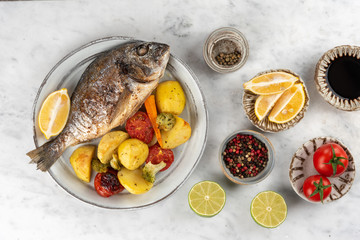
column 271, row 83
column 264, row 103
column 289, row 104
column 54, row 113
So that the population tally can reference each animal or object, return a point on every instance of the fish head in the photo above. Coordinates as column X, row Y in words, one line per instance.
column 146, row 61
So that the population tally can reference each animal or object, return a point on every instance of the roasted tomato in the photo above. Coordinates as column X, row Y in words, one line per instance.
column 317, row 188
column 157, row 155
column 107, row 184
column 139, row 126
column 330, row 160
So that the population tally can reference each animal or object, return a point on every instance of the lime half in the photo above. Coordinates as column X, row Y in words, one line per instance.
column 268, row 209
column 207, row 198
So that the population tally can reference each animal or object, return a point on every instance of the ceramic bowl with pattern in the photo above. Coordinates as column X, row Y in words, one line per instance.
column 302, row 167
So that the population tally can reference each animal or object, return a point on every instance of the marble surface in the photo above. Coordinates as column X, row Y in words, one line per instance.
column 35, row 35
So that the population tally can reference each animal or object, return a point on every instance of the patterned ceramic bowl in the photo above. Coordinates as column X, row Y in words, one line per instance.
column 249, row 99
column 322, row 83
column 302, row 167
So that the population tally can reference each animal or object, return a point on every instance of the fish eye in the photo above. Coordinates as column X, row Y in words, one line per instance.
column 142, row 50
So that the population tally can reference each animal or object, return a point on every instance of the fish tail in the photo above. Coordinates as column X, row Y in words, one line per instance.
column 46, row 155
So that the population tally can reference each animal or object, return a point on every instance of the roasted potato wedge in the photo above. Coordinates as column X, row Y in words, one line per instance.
column 178, row 135
column 132, row 153
column 170, row 97
column 133, row 181
column 109, row 143
column 80, row 160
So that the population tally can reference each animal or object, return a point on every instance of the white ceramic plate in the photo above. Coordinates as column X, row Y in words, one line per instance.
column 66, row 74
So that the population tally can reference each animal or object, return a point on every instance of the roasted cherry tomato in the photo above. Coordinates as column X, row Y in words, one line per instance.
column 157, row 155
column 107, row 184
column 139, row 126
column 317, row 188
column 330, row 160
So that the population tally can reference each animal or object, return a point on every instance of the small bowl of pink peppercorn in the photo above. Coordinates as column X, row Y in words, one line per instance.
column 246, row 157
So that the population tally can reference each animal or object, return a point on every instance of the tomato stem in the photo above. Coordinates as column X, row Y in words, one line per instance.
column 319, row 189
column 335, row 161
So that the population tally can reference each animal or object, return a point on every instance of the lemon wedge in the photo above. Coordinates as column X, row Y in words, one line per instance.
column 289, row 104
column 264, row 103
column 54, row 113
column 271, row 83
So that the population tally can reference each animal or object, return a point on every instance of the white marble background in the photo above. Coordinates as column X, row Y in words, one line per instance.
column 34, row 36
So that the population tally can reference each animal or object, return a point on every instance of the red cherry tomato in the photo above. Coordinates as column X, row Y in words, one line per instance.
column 158, row 155
column 330, row 160
column 107, row 184
column 317, row 188
column 139, row 126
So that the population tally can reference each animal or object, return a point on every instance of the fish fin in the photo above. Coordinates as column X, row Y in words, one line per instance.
column 46, row 155
column 134, row 102
column 121, row 113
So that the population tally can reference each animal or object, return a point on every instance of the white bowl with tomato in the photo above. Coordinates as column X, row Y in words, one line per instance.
column 322, row 170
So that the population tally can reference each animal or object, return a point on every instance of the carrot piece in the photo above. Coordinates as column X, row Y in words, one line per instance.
column 150, row 106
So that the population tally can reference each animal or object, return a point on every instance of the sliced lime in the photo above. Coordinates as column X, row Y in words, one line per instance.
column 207, row 198
column 268, row 209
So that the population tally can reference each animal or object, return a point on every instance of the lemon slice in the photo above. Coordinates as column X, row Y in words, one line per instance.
column 264, row 103
column 207, row 198
column 268, row 209
column 54, row 113
column 271, row 83
column 289, row 105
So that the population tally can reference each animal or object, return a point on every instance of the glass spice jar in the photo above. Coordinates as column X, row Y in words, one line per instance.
column 226, row 50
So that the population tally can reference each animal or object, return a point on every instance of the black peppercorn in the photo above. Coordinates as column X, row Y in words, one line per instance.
column 228, row 59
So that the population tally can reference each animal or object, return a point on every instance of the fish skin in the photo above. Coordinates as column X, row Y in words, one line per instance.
column 111, row 89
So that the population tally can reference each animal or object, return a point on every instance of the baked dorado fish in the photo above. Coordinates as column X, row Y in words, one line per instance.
column 111, row 89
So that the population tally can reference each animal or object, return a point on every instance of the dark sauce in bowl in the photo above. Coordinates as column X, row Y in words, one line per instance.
column 343, row 76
